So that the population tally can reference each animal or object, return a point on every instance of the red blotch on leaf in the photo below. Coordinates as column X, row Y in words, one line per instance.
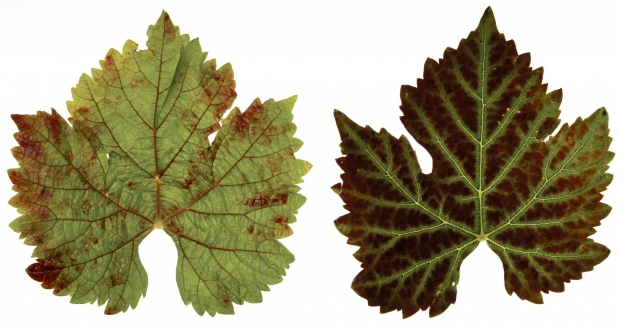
column 44, row 272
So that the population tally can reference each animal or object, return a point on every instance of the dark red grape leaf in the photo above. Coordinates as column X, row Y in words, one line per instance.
column 137, row 157
column 484, row 117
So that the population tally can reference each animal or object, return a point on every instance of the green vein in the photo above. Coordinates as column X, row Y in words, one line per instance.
column 429, row 127
column 453, row 112
column 415, row 266
column 481, row 129
column 376, row 161
column 402, row 233
column 592, row 131
column 538, row 252
column 518, row 154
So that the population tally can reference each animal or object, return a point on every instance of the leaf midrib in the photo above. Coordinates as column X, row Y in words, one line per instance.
column 481, row 129
column 156, row 175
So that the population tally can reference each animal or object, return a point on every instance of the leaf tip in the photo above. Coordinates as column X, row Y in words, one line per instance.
column 337, row 188
column 109, row 310
column 43, row 271
column 15, row 117
column 307, row 166
column 338, row 115
column 556, row 96
column 430, row 63
column 291, row 100
column 606, row 252
column 341, row 119
column 15, row 225
column 488, row 19
column 164, row 16
column 488, row 11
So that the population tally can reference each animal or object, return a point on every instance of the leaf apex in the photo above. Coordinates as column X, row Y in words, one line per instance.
column 556, row 95
column 290, row 100
column 164, row 16
column 342, row 119
column 15, row 224
column 337, row 188
column 307, row 166
column 338, row 115
column 429, row 61
column 487, row 19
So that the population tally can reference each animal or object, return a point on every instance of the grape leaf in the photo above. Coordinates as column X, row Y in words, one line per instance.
column 137, row 157
column 484, row 117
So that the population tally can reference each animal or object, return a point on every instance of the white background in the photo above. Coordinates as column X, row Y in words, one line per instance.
column 353, row 56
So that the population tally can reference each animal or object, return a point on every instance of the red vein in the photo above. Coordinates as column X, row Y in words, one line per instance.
column 221, row 248
column 216, row 184
column 194, row 128
column 92, row 98
column 122, row 88
column 86, row 180
column 199, row 277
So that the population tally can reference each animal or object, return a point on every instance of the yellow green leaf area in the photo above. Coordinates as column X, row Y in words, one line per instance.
column 498, row 177
column 137, row 156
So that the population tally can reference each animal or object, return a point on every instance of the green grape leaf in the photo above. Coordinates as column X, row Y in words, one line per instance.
column 137, row 157
column 486, row 120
